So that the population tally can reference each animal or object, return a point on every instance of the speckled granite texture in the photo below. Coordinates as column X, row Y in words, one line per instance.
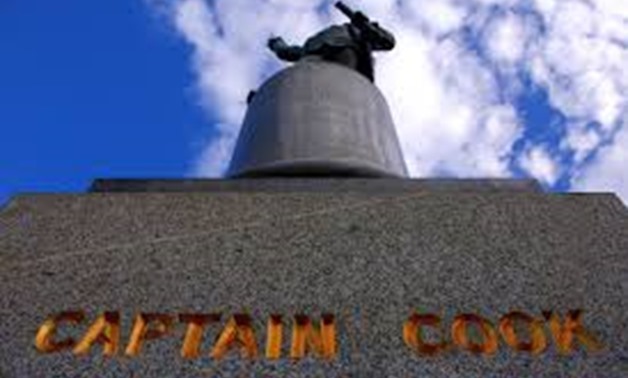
column 357, row 248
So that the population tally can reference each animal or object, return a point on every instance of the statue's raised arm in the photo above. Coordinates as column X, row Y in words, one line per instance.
column 349, row 44
column 378, row 37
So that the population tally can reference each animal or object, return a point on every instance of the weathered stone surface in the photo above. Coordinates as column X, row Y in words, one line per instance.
column 317, row 119
column 363, row 185
column 369, row 256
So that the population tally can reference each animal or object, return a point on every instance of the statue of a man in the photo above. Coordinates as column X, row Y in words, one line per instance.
column 349, row 44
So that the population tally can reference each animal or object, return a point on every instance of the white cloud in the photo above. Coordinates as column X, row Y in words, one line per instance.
column 582, row 141
column 538, row 162
column 582, row 62
column 215, row 156
column 435, row 17
column 608, row 171
column 447, row 113
column 453, row 116
column 506, row 38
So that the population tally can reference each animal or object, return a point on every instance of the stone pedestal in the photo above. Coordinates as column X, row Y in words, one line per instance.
column 318, row 119
column 373, row 254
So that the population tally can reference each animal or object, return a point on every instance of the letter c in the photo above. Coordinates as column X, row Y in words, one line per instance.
column 44, row 339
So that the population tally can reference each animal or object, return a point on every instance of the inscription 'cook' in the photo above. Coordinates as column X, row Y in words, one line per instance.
column 468, row 332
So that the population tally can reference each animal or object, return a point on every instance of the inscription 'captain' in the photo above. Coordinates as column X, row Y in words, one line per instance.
column 308, row 336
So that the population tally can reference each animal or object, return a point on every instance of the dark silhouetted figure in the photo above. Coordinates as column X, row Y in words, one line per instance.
column 349, row 44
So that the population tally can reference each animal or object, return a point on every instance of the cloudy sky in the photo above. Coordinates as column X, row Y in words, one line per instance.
column 157, row 88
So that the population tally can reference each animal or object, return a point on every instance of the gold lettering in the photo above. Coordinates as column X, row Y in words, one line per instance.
column 237, row 330
column 194, row 332
column 534, row 326
column 412, row 334
column 563, row 334
column 43, row 339
column 142, row 330
column 274, row 331
column 305, row 335
column 105, row 330
column 520, row 331
column 460, row 328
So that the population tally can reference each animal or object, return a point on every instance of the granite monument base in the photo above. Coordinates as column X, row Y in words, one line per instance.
column 316, row 277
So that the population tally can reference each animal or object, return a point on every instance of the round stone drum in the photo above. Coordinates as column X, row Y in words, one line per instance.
column 317, row 119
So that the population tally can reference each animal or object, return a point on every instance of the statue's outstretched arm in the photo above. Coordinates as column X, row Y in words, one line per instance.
column 284, row 51
column 379, row 38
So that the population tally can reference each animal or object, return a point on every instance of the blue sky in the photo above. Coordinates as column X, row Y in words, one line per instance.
column 92, row 89
column 155, row 88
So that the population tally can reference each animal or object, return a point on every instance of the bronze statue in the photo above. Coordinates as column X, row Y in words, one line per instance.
column 350, row 44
